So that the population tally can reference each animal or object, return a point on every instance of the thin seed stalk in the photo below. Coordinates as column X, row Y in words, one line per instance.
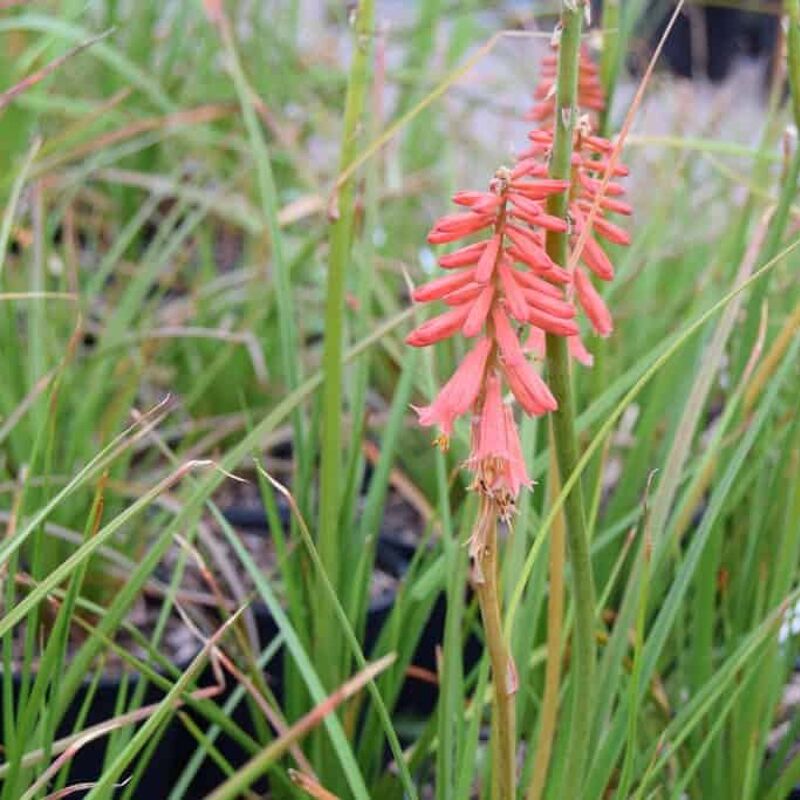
column 504, row 742
column 340, row 241
column 563, row 421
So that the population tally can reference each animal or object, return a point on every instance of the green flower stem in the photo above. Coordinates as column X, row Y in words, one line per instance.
column 330, row 545
column 792, row 8
column 504, row 744
column 563, row 422
column 610, row 59
column 555, row 624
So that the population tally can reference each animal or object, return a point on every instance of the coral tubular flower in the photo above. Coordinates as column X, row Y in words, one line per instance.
column 516, row 473
column 593, row 304
column 488, row 259
column 530, row 390
column 460, row 392
column 456, row 226
column 478, row 312
column 464, row 257
column 496, row 457
column 441, row 287
column 577, row 349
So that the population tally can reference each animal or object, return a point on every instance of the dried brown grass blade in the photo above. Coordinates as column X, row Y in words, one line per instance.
column 273, row 716
column 179, row 119
column 311, row 787
column 80, row 787
column 26, row 83
column 261, row 762
column 772, row 359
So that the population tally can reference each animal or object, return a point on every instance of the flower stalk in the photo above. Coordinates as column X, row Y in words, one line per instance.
column 504, row 769
column 548, row 716
column 563, row 418
column 493, row 286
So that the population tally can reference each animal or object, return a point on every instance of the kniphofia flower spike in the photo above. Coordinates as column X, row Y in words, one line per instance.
column 505, row 282
column 493, row 288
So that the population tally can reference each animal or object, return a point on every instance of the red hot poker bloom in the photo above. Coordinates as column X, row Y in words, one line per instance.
column 492, row 288
column 459, row 393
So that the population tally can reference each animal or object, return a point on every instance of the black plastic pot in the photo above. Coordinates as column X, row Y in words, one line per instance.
column 726, row 34
column 87, row 763
column 418, row 697
column 393, row 555
column 209, row 775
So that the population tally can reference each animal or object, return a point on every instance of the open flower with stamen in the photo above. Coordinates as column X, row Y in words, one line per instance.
column 496, row 456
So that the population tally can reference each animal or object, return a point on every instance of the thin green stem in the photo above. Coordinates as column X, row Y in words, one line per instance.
column 269, row 200
column 340, row 241
column 504, row 770
column 563, row 421
column 792, row 8
column 636, row 674
column 555, row 627
column 609, row 62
